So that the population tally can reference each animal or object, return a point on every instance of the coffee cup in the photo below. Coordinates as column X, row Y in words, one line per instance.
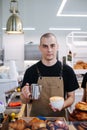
column 57, row 102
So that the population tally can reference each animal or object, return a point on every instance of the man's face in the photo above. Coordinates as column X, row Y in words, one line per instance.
column 48, row 48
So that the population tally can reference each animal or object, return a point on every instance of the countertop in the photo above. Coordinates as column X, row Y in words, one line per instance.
column 18, row 110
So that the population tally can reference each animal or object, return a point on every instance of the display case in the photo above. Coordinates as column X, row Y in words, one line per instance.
column 77, row 44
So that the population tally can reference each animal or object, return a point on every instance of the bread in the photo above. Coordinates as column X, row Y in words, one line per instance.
column 85, row 66
column 79, row 115
column 80, row 65
column 36, row 123
column 18, row 125
column 80, row 62
column 80, row 112
column 81, row 106
column 32, row 121
column 77, row 66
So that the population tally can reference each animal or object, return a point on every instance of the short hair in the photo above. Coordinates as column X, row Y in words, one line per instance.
column 47, row 35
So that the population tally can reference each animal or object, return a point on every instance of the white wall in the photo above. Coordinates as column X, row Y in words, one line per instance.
column 33, row 36
column 0, row 23
column 14, row 49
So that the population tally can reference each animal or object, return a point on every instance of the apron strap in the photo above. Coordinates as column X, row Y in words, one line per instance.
column 40, row 77
column 61, row 70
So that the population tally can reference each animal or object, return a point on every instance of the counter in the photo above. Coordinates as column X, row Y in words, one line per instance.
column 72, row 125
column 20, row 112
column 23, row 112
column 13, row 97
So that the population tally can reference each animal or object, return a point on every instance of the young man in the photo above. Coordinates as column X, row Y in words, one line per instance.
column 56, row 79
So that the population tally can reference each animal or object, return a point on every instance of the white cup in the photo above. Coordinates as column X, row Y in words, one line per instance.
column 57, row 102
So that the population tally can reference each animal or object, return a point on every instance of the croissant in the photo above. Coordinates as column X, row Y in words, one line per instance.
column 18, row 125
column 36, row 123
column 34, row 120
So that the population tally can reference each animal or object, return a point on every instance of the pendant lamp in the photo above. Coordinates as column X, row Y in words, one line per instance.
column 14, row 23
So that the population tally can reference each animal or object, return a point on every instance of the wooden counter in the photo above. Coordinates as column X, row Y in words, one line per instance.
column 73, row 125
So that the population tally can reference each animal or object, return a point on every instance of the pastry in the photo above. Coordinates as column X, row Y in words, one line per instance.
column 36, row 123
column 80, row 112
column 81, row 106
column 18, row 125
column 78, row 66
column 79, row 115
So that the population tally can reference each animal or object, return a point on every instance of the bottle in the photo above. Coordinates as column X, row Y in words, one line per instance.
column 13, row 115
column 69, row 56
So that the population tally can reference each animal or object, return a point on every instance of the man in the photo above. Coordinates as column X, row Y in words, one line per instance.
column 84, row 86
column 56, row 79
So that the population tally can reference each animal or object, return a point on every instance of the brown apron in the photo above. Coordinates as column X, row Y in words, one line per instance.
column 51, row 86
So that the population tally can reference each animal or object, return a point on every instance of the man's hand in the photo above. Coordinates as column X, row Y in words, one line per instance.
column 26, row 91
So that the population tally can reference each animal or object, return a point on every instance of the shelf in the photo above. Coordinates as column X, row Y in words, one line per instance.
column 77, row 44
column 77, row 39
column 80, row 71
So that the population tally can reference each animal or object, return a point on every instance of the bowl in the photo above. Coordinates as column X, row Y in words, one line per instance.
column 57, row 102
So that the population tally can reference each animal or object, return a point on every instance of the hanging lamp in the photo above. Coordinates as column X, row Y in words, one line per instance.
column 14, row 23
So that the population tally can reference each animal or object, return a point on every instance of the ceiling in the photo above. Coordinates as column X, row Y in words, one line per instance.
column 42, row 14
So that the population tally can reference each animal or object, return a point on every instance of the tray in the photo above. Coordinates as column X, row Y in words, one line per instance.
column 27, row 119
